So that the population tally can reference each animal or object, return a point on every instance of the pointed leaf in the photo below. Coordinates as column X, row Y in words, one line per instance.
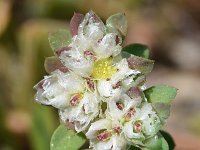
column 75, row 22
column 117, row 22
column 163, row 110
column 141, row 64
column 169, row 139
column 160, row 94
column 53, row 63
column 65, row 139
column 157, row 142
column 137, row 50
column 59, row 39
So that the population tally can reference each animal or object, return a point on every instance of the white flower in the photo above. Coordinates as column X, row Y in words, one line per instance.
column 104, row 135
column 89, row 55
column 107, row 46
column 107, row 134
column 75, row 97
column 56, row 89
column 76, row 61
column 144, row 123
column 95, row 75
column 91, row 44
column 83, row 113
column 111, row 87
column 122, row 108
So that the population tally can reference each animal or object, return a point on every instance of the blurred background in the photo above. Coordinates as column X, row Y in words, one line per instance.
column 170, row 28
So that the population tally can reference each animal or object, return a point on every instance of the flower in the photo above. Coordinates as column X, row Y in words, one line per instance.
column 93, row 53
column 91, row 44
column 68, row 92
column 83, row 113
column 97, row 89
column 95, row 71
column 57, row 88
column 144, row 124
column 105, row 135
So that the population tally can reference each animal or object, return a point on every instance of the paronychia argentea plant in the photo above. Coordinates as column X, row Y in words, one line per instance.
column 99, row 88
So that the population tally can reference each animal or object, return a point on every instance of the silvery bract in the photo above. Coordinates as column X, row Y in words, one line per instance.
column 95, row 88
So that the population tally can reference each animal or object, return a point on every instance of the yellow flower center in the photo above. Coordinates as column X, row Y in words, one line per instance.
column 103, row 69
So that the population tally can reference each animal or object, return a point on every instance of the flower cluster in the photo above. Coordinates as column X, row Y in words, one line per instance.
column 97, row 89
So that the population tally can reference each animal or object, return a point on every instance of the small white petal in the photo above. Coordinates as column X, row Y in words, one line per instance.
column 119, row 143
column 74, row 60
column 128, row 132
column 115, row 143
column 55, row 89
column 83, row 113
column 123, row 71
column 107, row 46
column 91, row 26
column 72, row 82
column 105, row 89
column 96, row 126
column 103, row 145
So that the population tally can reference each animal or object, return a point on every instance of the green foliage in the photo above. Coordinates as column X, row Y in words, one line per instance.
column 133, row 148
column 157, row 142
column 137, row 50
column 65, row 139
column 59, row 39
column 117, row 22
column 160, row 94
column 169, row 139
column 161, row 141
column 163, row 110
column 41, row 128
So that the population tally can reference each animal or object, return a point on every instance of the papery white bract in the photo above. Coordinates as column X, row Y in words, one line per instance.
column 103, row 135
column 144, row 124
column 56, row 88
column 83, row 113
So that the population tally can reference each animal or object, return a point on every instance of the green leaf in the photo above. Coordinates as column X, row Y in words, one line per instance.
column 133, row 148
column 43, row 124
column 65, row 139
column 59, row 39
column 169, row 140
column 160, row 94
column 137, row 50
column 163, row 111
column 157, row 142
column 141, row 64
column 117, row 22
